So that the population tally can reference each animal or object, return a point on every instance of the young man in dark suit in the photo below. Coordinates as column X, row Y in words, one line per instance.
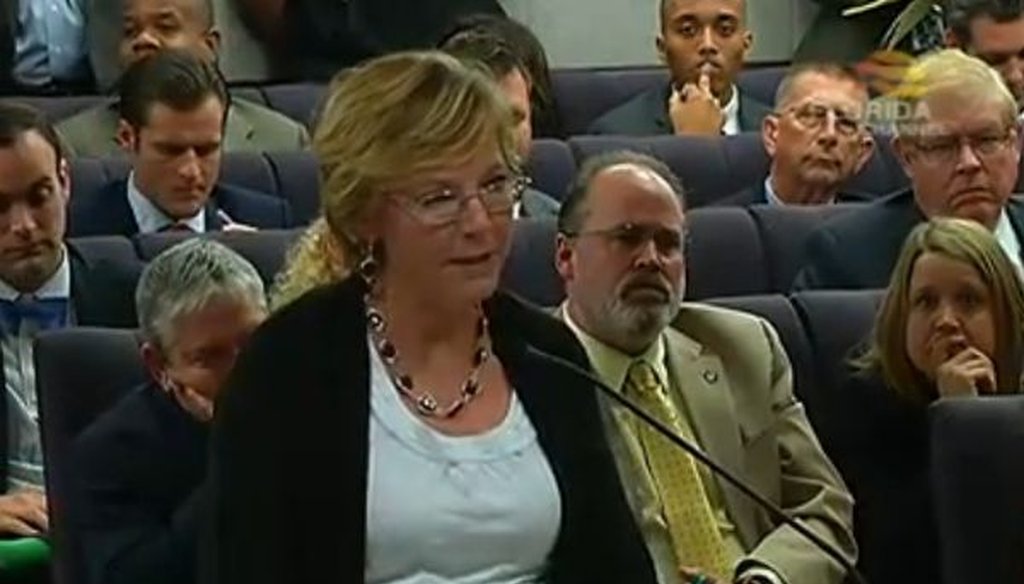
column 136, row 496
column 816, row 139
column 704, row 43
column 45, row 283
column 172, row 125
column 513, row 78
column 960, row 148
column 993, row 31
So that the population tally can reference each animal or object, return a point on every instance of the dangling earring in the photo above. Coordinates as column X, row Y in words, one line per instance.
column 368, row 267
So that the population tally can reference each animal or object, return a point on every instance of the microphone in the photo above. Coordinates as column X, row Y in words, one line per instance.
column 776, row 512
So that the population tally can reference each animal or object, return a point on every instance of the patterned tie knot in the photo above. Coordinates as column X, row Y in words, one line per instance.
column 643, row 377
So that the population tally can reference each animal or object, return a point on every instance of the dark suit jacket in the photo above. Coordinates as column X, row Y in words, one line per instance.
column 102, row 294
column 859, row 249
column 887, row 469
column 8, row 20
column 757, row 195
column 107, row 211
column 290, row 446
column 647, row 115
column 136, row 494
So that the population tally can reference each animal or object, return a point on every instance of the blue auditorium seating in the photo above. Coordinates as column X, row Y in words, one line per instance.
column 978, row 485
column 80, row 372
column 265, row 249
column 784, row 231
column 298, row 101
column 710, row 167
column 582, row 95
column 551, row 167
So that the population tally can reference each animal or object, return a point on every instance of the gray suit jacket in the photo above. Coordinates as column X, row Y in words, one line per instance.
column 250, row 127
column 647, row 115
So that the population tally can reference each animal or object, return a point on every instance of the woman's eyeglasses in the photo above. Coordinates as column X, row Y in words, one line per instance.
column 444, row 206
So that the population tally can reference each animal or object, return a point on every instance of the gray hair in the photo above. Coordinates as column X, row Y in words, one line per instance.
column 185, row 278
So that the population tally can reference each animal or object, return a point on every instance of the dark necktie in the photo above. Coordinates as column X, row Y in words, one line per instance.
column 46, row 313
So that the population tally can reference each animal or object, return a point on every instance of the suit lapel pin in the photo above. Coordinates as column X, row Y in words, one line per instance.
column 710, row 376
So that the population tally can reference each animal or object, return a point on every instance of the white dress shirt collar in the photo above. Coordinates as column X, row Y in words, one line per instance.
column 1007, row 238
column 731, row 114
column 151, row 219
column 612, row 365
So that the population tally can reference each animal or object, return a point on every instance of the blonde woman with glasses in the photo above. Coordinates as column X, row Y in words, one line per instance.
column 396, row 426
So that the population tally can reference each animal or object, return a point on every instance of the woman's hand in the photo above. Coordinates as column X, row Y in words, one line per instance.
column 967, row 373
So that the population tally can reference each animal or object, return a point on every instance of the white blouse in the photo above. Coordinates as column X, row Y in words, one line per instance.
column 458, row 509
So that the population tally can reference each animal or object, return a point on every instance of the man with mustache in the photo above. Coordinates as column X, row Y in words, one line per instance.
column 172, row 109
column 718, row 377
column 45, row 283
column 704, row 43
column 816, row 138
column 960, row 148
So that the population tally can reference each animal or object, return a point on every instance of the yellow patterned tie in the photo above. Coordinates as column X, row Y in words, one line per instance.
column 691, row 521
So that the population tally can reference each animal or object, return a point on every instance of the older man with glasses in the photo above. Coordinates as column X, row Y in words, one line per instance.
column 958, row 144
column 816, row 138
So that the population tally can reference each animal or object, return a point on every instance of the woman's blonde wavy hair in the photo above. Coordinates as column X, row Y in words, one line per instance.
column 382, row 122
column 970, row 243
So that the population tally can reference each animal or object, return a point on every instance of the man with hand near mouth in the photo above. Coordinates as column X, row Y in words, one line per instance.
column 704, row 43
column 713, row 375
column 960, row 149
column 816, row 139
column 173, row 108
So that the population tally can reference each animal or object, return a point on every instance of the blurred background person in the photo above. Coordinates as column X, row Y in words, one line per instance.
column 137, row 470
column 413, row 371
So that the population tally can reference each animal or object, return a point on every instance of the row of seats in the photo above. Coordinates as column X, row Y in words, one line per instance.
column 710, row 168
column 732, row 251
column 81, row 372
column 580, row 95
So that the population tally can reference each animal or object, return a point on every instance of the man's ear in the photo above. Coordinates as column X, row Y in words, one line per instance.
column 126, row 136
column 659, row 47
column 903, row 153
column 770, row 134
column 867, row 148
column 748, row 43
column 153, row 359
column 212, row 40
column 64, row 176
column 564, row 258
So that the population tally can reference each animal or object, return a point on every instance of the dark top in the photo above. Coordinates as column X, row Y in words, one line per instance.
column 757, row 195
column 103, row 295
column 647, row 115
column 879, row 442
column 8, row 20
column 290, row 447
column 328, row 35
column 859, row 249
column 108, row 212
column 136, row 496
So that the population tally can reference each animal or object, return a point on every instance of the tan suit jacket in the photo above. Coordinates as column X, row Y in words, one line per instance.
column 737, row 384
column 250, row 127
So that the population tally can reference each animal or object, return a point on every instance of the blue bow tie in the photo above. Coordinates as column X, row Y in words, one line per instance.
column 47, row 313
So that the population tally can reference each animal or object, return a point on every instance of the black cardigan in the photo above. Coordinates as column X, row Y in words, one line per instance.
column 290, row 447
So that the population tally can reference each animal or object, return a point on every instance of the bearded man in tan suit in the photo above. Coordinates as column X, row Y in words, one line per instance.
column 717, row 376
